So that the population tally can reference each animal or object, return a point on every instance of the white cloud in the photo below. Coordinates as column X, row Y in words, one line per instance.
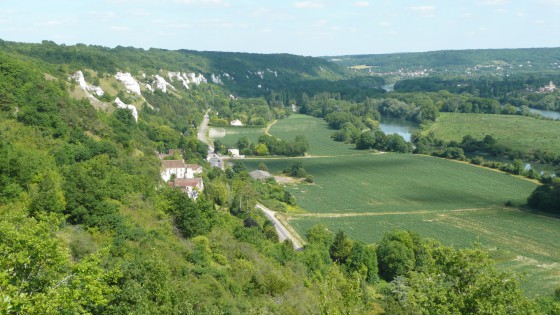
column 204, row 2
column 320, row 23
column 53, row 23
column 107, row 14
column 384, row 24
column 361, row 4
column 309, row 5
column 550, row 2
column 493, row 2
column 119, row 28
column 426, row 11
column 139, row 12
column 423, row 8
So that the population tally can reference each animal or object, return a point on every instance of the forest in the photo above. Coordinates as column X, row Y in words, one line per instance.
column 88, row 227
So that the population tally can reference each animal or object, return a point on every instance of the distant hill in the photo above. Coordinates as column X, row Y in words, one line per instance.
column 534, row 59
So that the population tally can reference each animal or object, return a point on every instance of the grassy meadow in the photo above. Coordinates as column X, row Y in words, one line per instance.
column 518, row 132
column 229, row 135
column 315, row 131
column 367, row 194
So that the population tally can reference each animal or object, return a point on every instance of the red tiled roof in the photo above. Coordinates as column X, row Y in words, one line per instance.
column 173, row 163
column 194, row 166
column 186, row 182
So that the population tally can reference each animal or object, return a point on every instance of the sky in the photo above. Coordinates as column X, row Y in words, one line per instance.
column 302, row 27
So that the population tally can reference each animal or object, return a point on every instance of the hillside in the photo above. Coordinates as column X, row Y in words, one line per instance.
column 458, row 61
column 244, row 74
column 91, row 224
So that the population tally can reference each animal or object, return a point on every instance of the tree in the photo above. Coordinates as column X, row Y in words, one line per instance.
column 319, row 234
column 395, row 254
column 363, row 260
column 239, row 167
column 261, row 149
column 262, row 167
column 340, row 248
column 462, row 281
column 365, row 141
column 243, row 143
column 46, row 193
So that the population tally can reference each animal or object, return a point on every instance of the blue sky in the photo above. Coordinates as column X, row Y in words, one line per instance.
column 314, row 27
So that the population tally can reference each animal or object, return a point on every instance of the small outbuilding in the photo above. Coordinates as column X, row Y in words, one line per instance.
column 236, row 122
column 260, row 175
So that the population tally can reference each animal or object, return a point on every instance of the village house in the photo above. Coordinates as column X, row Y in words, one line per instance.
column 234, row 153
column 173, row 167
column 179, row 169
column 192, row 169
column 548, row 88
column 183, row 176
column 215, row 161
column 191, row 186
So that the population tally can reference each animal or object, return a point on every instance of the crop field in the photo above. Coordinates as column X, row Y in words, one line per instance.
column 367, row 194
column 518, row 132
column 522, row 242
column 400, row 182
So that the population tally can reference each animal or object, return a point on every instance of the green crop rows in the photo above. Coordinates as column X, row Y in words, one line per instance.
column 368, row 194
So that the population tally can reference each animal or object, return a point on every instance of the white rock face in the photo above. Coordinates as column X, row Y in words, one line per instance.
column 187, row 78
column 162, row 84
column 132, row 108
column 79, row 77
column 149, row 87
column 130, row 83
column 216, row 79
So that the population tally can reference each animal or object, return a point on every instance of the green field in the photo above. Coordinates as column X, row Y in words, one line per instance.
column 458, row 204
column 523, row 242
column 230, row 135
column 401, row 182
column 315, row 131
column 518, row 132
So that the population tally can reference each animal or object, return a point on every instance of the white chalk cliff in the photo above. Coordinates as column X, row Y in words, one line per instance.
column 90, row 88
column 130, row 83
column 132, row 108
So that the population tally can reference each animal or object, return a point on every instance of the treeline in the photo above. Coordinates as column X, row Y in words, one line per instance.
column 547, row 197
column 458, row 61
column 267, row 145
column 249, row 111
column 519, row 90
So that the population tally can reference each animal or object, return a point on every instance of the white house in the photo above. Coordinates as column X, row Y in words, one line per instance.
column 233, row 152
column 192, row 169
column 236, row 122
column 170, row 167
column 191, row 186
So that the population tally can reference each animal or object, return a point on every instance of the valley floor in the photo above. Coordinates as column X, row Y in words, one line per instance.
column 367, row 194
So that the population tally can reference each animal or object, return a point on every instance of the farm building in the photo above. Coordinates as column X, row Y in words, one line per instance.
column 260, row 175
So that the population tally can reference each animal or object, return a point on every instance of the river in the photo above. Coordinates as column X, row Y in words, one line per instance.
column 390, row 125
column 546, row 113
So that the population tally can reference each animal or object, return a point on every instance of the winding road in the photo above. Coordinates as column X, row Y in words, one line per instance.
column 281, row 230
